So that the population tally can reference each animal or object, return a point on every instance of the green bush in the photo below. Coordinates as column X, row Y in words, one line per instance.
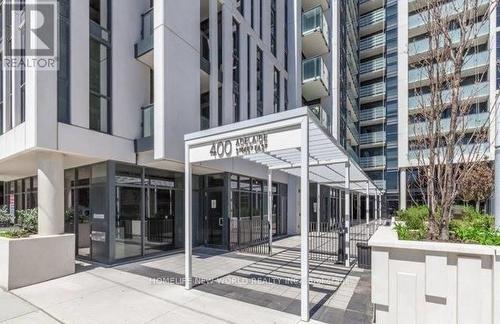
column 412, row 223
column 475, row 228
column 28, row 220
column 14, row 233
column 5, row 217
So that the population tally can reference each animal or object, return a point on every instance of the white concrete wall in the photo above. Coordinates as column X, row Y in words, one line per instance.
column 433, row 282
column 28, row 261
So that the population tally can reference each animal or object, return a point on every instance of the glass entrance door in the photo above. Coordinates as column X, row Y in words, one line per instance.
column 214, row 220
column 82, row 217
column 159, row 220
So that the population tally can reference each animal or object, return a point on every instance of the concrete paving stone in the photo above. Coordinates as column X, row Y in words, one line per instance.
column 37, row 317
column 12, row 306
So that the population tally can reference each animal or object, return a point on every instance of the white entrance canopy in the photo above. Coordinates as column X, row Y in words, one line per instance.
column 294, row 142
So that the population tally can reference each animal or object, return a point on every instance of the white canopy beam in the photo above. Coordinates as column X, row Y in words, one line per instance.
column 188, row 243
column 347, row 214
column 304, row 222
column 270, row 208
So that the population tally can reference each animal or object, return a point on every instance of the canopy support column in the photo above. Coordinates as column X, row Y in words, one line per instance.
column 347, row 213
column 367, row 202
column 304, row 221
column 188, row 243
column 358, row 216
column 270, row 208
column 318, row 208
column 380, row 206
column 375, row 216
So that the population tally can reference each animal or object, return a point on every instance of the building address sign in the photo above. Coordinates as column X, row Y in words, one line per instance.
column 245, row 145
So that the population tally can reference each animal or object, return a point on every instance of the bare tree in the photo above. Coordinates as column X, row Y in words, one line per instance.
column 446, row 137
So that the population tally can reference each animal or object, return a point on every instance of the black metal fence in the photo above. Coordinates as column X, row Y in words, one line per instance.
column 250, row 235
column 324, row 241
column 361, row 233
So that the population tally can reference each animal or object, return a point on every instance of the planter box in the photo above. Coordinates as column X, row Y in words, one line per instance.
column 432, row 282
column 35, row 259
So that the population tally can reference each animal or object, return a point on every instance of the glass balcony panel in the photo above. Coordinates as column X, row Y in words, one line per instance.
column 372, row 41
column 372, row 65
column 372, row 17
column 147, row 120
column 372, row 89
column 372, row 161
column 467, row 92
column 372, row 138
column 372, row 113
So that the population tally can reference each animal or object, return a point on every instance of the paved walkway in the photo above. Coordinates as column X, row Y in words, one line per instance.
column 231, row 288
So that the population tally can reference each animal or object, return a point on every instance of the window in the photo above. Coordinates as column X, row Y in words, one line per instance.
column 260, row 89
column 273, row 27
column 63, row 74
column 240, row 5
column 249, row 101
column 252, row 14
column 260, row 18
column 236, row 70
column 285, row 85
column 286, row 37
column 276, row 102
column 100, row 66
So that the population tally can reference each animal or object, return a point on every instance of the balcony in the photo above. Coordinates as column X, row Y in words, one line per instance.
column 322, row 116
column 480, row 33
column 372, row 139
column 466, row 123
column 418, row 21
column 144, row 47
column 477, row 150
column 309, row 4
column 145, row 142
column 372, row 22
column 352, row 153
column 372, row 45
column 315, row 78
column 370, row 162
column 372, row 92
column 352, row 132
column 474, row 64
column 380, row 184
column 476, row 92
column 369, row 5
column 372, row 116
column 372, row 69
column 314, row 33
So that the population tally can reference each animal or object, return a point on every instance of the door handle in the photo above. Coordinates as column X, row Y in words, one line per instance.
column 221, row 221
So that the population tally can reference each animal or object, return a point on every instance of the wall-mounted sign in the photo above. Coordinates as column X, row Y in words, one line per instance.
column 245, row 145
column 12, row 204
column 98, row 216
column 98, row 236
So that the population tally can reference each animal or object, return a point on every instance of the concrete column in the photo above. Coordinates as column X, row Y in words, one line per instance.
column 318, row 208
column 347, row 212
column 375, row 211
column 270, row 208
column 188, row 243
column 304, row 222
column 50, row 193
column 367, row 202
column 402, row 188
column 214, row 63
column 227, row 66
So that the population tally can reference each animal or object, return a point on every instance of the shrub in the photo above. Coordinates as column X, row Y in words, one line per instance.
column 5, row 217
column 412, row 223
column 475, row 228
column 28, row 220
column 14, row 233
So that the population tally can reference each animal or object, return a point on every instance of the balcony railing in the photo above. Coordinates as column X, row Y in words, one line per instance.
column 381, row 184
column 471, row 62
column 352, row 153
column 146, row 42
column 372, row 17
column 322, row 116
column 422, row 45
column 315, row 78
column 372, row 65
column 372, row 161
column 372, row 113
column 314, row 20
column 479, row 150
column 467, row 92
column 372, row 89
column 353, row 129
column 147, row 113
column 468, row 122
column 372, row 41
column 372, row 138
column 448, row 9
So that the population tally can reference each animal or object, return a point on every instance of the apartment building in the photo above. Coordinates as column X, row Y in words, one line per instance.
column 100, row 141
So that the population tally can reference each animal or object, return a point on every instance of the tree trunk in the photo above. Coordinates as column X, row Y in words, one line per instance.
column 477, row 205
